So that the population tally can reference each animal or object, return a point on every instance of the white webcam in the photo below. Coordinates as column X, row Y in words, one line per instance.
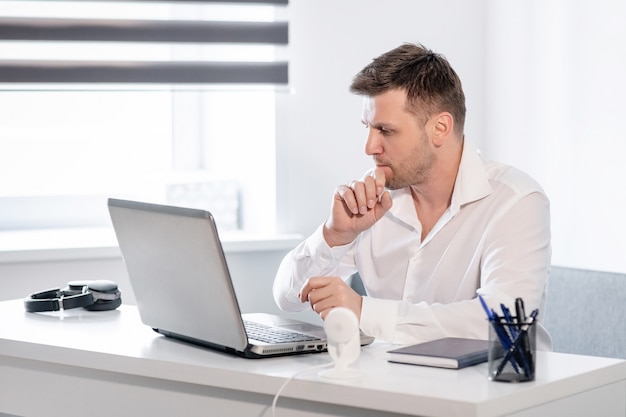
column 344, row 343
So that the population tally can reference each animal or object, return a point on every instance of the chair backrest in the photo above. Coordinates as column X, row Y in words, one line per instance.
column 585, row 312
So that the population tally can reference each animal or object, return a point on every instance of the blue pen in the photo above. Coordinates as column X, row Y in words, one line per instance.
column 509, row 319
column 482, row 301
column 505, row 341
column 495, row 321
column 500, row 330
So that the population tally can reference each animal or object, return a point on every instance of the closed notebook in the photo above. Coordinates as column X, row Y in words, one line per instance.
column 449, row 352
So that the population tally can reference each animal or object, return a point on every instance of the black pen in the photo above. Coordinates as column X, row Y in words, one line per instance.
column 521, row 319
column 519, row 310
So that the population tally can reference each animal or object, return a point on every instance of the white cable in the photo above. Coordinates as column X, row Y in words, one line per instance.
column 280, row 390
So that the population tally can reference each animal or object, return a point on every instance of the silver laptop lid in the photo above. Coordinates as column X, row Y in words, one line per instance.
column 178, row 272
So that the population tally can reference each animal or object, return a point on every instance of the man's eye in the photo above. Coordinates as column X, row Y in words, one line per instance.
column 384, row 132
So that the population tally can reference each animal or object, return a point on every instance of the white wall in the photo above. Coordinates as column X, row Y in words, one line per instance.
column 322, row 140
column 330, row 41
column 555, row 108
column 545, row 88
column 543, row 81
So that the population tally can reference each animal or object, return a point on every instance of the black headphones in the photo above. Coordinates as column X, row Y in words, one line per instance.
column 100, row 295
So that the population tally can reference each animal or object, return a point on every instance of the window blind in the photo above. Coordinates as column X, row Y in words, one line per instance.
column 172, row 31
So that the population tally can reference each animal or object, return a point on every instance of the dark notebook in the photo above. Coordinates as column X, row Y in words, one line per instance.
column 449, row 352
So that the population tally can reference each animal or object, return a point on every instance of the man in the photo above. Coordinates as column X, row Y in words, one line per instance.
column 430, row 226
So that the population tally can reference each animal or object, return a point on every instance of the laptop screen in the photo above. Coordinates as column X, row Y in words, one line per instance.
column 178, row 272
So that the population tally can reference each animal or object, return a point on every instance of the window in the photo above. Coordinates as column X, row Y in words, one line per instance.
column 171, row 118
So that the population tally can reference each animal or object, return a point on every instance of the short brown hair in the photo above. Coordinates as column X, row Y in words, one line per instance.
column 430, row 82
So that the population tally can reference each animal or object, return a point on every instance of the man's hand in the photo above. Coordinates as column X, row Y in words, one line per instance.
column 326, row 293
column 356, row 207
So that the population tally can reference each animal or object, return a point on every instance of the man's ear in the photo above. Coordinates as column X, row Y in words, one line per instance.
column 442, row 127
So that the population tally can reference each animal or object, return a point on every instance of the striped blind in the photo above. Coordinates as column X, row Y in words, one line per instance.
column 174, row 32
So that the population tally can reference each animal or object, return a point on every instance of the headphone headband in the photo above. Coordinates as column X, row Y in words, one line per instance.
column 97, row 295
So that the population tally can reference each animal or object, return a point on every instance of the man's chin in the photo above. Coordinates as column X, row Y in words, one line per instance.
column 392, row 185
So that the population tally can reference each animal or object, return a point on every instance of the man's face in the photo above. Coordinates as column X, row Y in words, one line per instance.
column 397, row 140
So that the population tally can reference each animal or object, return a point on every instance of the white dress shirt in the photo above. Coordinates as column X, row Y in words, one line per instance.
column 494, row 240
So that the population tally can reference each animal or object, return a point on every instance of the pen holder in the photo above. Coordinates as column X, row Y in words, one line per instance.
column 512, row 351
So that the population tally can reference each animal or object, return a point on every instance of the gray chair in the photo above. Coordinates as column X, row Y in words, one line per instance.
column 585, row 312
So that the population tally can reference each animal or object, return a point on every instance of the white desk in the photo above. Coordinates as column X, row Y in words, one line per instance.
column 108, row 363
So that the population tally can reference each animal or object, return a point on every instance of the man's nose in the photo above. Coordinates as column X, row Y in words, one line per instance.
column 373, row 143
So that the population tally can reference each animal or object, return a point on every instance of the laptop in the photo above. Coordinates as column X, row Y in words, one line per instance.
column 183, row 288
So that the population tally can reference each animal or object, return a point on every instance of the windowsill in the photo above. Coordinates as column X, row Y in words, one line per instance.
column 100, row 243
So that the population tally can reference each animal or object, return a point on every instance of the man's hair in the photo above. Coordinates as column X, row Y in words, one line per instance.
column 430, row 83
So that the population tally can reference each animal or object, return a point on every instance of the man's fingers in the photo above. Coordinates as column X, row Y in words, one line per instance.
column 326, row 293
column 346, row 194
column 364, row 193
column 370, row 191
column 320, row 289
column 380, row 181
column 385, row 201
column 312, row 284
column 360, row 194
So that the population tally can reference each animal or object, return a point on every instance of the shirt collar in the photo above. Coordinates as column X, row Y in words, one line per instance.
column 472, row 182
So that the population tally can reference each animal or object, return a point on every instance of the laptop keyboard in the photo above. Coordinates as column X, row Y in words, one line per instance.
column 269, row 334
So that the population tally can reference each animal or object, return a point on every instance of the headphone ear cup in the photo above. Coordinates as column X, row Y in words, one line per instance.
column 106, row 295
column 77, row 286
column 104, row 305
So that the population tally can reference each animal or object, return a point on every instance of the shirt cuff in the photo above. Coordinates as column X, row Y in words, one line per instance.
column 378, row 317
column 323, row 255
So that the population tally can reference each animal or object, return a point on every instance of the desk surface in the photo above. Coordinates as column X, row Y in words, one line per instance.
column 117, row 342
